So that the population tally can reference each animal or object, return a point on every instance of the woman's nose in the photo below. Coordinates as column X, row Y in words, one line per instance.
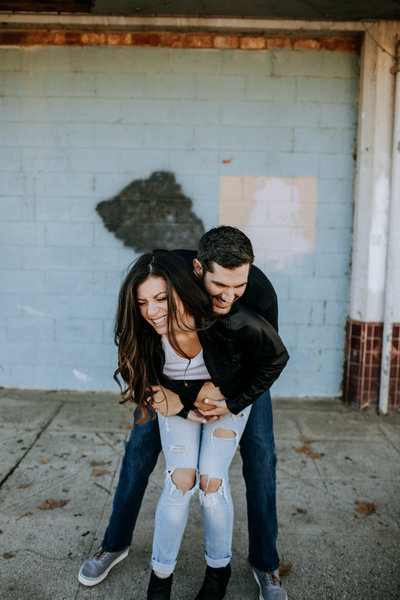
column 152, row 309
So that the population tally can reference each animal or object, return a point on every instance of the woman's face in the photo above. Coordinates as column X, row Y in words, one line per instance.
column 153, row 303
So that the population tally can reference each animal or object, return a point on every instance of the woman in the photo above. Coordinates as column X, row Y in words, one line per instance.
column 162, row 310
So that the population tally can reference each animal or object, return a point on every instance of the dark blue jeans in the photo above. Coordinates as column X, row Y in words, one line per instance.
column 257, row 448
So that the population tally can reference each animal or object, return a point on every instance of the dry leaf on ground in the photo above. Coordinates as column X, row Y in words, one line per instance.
column 307, row 450
column 125, row 426
column 7, row 555
column 285, row 568
column 98, row 472
column 302, row 511
column 23, row 485
column 43, row 461
column 50, row 504
column 365, row 508
column 97, row 463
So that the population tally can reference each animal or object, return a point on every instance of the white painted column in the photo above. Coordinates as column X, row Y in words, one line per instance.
column 392, row 292
column 372, row 185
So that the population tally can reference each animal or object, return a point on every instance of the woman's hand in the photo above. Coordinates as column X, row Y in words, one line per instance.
column 194, row 415
column 219, row 408
column 167, row 403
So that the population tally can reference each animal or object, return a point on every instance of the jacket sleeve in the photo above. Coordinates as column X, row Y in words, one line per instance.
column 261, row 297
column 265, row 355
column 187, row 392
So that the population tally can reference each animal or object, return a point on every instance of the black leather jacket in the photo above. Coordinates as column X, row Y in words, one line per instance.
column 244, row 356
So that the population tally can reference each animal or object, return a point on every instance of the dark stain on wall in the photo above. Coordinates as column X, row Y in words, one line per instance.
column 152, row 213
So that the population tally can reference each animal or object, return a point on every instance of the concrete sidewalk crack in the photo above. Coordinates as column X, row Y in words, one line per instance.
column 387, row 438
column 112, row 446
column 37, row 437
column 56, row 558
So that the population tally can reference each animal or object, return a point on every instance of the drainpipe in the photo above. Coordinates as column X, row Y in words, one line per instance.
column 392, row 291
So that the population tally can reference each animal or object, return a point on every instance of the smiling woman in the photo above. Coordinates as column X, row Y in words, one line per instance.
column 159, row 296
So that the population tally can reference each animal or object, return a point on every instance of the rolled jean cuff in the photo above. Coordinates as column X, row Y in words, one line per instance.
column 217, row 563
column 162, row 568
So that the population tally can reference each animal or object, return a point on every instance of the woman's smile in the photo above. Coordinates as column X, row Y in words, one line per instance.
column 153, row 302
column 160, row 320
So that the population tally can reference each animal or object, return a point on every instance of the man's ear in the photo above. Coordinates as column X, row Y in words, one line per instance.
column 197, row 267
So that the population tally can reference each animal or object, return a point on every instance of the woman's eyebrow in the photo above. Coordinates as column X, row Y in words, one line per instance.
column 155, row 295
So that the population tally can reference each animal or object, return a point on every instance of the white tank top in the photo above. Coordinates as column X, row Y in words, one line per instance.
column 180, row 368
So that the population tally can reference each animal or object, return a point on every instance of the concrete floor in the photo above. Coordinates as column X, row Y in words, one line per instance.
column 50, row 440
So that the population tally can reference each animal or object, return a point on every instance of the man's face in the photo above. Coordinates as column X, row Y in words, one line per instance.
column 224, row 286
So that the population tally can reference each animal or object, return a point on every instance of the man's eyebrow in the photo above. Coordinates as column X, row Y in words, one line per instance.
column 226, row 285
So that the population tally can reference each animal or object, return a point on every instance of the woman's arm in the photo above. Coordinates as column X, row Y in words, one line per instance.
column 169, row 404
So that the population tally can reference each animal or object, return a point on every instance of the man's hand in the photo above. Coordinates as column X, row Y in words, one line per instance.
column 209, row 392
column 167, row 403
column 219, row 408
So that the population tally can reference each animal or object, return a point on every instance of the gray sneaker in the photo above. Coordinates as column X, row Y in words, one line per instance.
column 98, row 566
column 270, row 585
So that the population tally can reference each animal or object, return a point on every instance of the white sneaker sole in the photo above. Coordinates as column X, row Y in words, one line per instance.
column 259, row 585
column 95, row 580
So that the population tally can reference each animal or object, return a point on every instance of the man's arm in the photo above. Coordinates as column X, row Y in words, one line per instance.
column 263, row 357
column 260, row 296
column 266, row 355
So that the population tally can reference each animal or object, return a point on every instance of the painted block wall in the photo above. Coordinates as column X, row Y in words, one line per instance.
column 79, row 124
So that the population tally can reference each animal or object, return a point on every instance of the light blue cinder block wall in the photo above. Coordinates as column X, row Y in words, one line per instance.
column 78, row 124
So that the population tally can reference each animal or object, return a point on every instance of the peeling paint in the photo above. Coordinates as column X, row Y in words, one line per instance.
column 278, row 215
column 152, row 213
column 30, row 311
column 377, row 247
column 170, row 39
column 80, row 376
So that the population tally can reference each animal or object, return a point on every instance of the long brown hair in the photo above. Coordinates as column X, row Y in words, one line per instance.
column 136, row 339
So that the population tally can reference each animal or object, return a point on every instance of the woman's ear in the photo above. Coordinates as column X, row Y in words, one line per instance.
column 197, row 267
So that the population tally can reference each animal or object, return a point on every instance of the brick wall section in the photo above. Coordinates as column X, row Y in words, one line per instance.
column 394, row 381
column 77, row 124
column 363, row 364
column 167, row 39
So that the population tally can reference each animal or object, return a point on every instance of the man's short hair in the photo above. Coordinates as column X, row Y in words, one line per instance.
column 227, row 246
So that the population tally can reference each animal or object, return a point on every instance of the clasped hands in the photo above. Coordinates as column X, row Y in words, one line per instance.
column 210, row 403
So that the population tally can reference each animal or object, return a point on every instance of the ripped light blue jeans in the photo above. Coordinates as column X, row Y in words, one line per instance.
column 189, row 445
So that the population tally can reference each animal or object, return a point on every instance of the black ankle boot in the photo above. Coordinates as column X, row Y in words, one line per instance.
column 159, row 589
column 215, row 583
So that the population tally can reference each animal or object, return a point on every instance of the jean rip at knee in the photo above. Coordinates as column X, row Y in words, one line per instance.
column 211, row 500
column 180, row 490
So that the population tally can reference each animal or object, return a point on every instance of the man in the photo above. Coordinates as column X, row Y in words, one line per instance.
column 224, row 263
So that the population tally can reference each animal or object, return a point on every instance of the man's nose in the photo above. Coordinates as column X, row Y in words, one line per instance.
column 228, row 295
